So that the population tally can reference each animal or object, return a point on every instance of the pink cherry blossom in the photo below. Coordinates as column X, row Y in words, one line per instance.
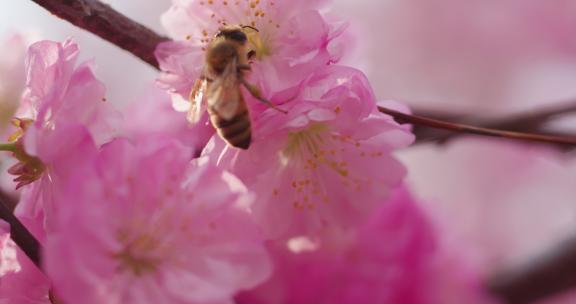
column 8, row 260
column 326, row 164
column 293, row 40
column 66, row 118
column 482, row 57
column 143, row 225
column 153, row 116
column 20, row 280
column 57, row 92
column 394, row 258
column 505, row 202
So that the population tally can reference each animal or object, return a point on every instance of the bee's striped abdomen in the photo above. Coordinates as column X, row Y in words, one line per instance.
column 236, row 131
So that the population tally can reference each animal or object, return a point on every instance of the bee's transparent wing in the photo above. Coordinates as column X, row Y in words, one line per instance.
column 198, row 106
column 224, row 96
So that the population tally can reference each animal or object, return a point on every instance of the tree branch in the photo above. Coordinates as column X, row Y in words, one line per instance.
column 567, row 142
column 103, row 21
column 19, row 234
column 529, row 121
column 547, row 275
column 9, row 200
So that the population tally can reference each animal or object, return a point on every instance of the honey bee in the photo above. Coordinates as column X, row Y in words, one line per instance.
column 219, row 88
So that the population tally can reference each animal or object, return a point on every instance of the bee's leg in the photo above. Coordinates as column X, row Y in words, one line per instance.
column 195, row 88
column 256, row 93
column 249, row 27
column 245, row 67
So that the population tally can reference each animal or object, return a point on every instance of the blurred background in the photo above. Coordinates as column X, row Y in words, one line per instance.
column 503, row 201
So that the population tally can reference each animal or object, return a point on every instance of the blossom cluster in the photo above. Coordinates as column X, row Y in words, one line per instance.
column 140, row 206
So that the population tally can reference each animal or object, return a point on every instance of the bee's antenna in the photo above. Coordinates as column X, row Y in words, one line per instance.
column 250, row 27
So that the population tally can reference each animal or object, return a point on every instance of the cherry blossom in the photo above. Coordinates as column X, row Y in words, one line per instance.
column 20, row 280
column 290, row 39
column 326, row 164
column 151, row 228
column 518, row 201
column 62, row 119
column 151, row 115
column 394, row 258
column 8, row 260
column 140, row 206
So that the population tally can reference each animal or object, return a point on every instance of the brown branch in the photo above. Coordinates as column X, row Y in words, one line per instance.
column 9, row 200
column 532, row 121
column 568, row 141
column 103, row 21
column 19, row 234
column 547, row 275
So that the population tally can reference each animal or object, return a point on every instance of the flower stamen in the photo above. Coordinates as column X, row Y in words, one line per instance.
column 132, row 257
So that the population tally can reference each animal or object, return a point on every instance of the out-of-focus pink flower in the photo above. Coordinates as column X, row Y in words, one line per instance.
column 8, row 260
column 57, row 92
column 20, row 280
column 143, row 225
column 66, row 118
column 394, row 258
column 152, row 116
column 479, row 56
column 325, row 165
column 504, row 202
column 292, row 41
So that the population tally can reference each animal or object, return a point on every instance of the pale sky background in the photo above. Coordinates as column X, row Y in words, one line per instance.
column 124, row 75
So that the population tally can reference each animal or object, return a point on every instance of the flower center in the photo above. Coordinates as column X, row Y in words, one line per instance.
column 313, row 145
column 312, row 156
column 133, row 257
column 310, row 152
column 308, row 139
column 260, row 43
column 257, row 14
column 29, row 168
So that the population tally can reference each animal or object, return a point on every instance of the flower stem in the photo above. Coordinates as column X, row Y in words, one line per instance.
column 8, row 147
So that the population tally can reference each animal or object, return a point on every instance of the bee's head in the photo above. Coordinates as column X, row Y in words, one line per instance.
column 234, row 33
column 237, row 33
column 220, row 54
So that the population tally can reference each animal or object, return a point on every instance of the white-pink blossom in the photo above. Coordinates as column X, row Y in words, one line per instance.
column 325, row 165
column 143, row 225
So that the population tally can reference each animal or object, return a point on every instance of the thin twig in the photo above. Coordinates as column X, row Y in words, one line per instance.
column 564, row 141
column 20, row 235
column 105, row 22
column 545, row 276
column 529, row 121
